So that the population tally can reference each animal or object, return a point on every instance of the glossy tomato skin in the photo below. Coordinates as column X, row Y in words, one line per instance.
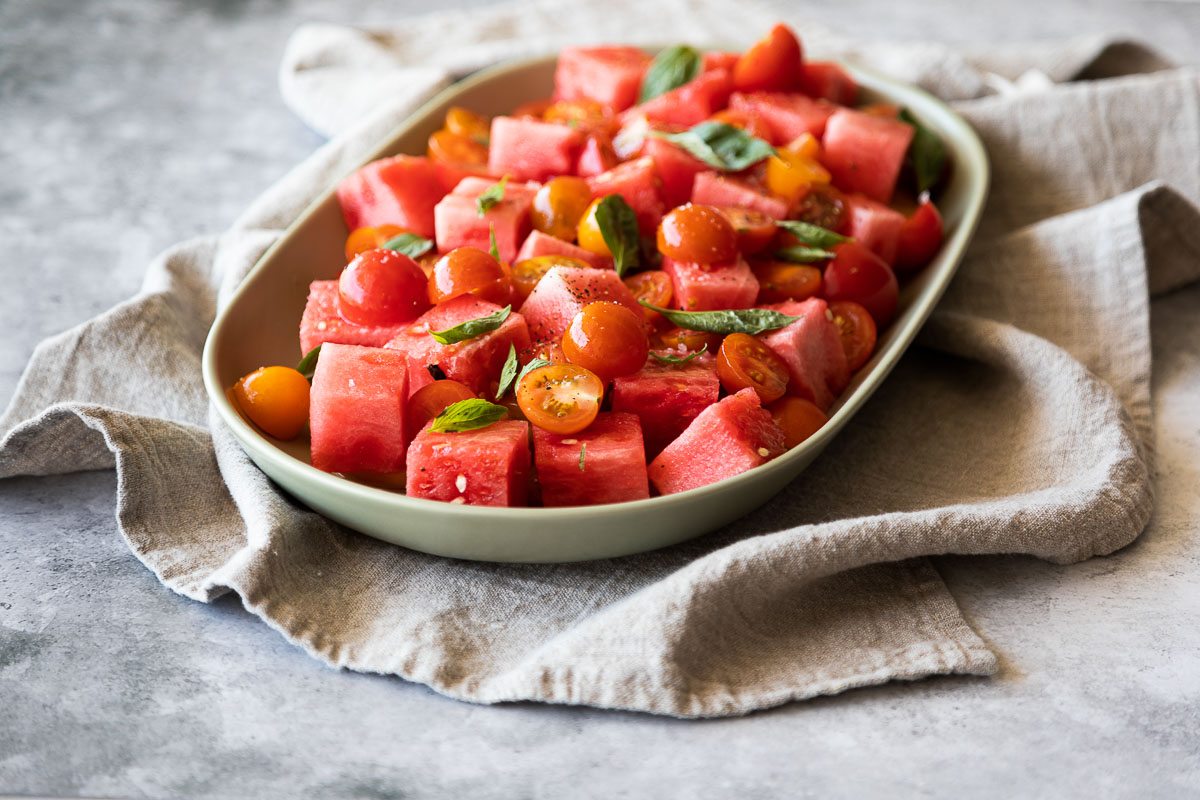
column 465, row 122
column 857, row 329
column 823, row 205
column 361, row 240
column 456, row 149
column 857, row 274
column 770, row 65
column 779, row 281
column 381, row 287
column 744, row 362
column 559, row 205
column 431, row 400
column 607, row 339
column 560, row 398
column 276, row 399
column 588, row 231
column 798, row 418
column 655, row 287
column 468, row 270
column 754, row 229
column 920, row 237
column 697, row 234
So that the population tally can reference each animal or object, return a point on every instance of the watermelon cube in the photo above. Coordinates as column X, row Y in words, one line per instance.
column 483, row 467
column 725, row 439
column 563, row 291
column 357, row 408
column 709, row 287
column 787, row 114
column 812, row 349
column 666, row 398
column 458, row 223
column 472, row 186
column 531, row 149
column 322, row 323
column 692, row 103
column 827, row 80
column 475, row 362
column 543, row 244
column 636, row 181
column 596, row 157
column 864, row 152
column 393, row 191
column 875, row 226
column 724, row 191
column 604, row 463
column 610, row 76
column 677, row 169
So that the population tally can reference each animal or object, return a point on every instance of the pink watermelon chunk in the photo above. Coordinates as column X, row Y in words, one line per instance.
column 637, row 182
column 676, row 168
column 864, row 152
column 530, row 149
column 875, row 226
column 475, row 362
column 322, row 323
column 787, row 114
column 458, row 223
column 828, row 80
column 723, row 191
column 484, row 467
column 357, row 409
column 692, row 103
column 726, row 439
column 666, row 398
column 709, row 287
column 543, row 244
column 474, row 185
column 563, row 291
column 393, row 191
column 610, row 76
column 613, row 463
column 812, row 349
column 596, row 157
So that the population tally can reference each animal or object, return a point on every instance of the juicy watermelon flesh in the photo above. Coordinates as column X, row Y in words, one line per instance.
column 827, row 80
column 322, row 323
column 692, row 103
column 676, row 169
column 458, row 223
column 637, row 182
column 357, row 409
column 715, row 189
column 563, row 291
column 543, row 244
column 726, row 439
column 610, row 76
column 393, row 191
column 596, row 157
column 812, row 349
column 484, row 467
column 875, row 226
column 530, row 149
column 613, row 459
column 864, row 152
column 666, row 398
column 710, row 287
column 787, row 114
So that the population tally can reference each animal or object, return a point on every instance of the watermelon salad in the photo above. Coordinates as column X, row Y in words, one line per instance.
column 658, row 278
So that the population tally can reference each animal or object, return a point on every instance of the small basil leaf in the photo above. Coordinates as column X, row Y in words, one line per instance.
column 530, row 367
column 720, row 145
column 670, row 359
column 468, row 415
column 669, row 70
column 308, row 364
column 803, row 254
column 618, row 225
column 435, row 372
column 494, row 194
column 743, row 320
column 509, row 373
column 410, row 244
column 494, row 250
column 582, row 455
column 813, row 235
column 472, row 327
column 926, row 152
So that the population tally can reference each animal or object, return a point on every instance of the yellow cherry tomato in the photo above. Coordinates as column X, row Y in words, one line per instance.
column 275, row 399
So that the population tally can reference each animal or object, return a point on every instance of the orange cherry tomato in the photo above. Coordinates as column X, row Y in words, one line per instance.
column 606, row 338
column 545, row 350
column 528, row 271
column 361, row 240
column 587, row 115
column 431, row 400
column 857, row 329
column 457, row 149
column 462, row 122
column 588, row 232
column 468, row 270
column 674, row 338
column 559, row 206
column 779, row 281
column 751, row 123
column 560, row 398
column 798, row 418
column 772, row 64
column 655, row 287
column 790, row 174
column 881, row 110
column 697, row 234
column 275, row 399
column 822, row 205
column 744, row 362
column 381, row 287
column 754, row 228
column 534, row 108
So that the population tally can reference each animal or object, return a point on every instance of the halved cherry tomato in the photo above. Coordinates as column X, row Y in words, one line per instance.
column 697, row 234
column 528, row 271
column 857, row 330
column 779, row 281
column 275, row 399
column 456, row 149
column 467, row 123
column 855, row 273
column 790, row 174
column 920, row 237
column 799, row 419
column 770, row 65
column 754, row 228
column 361, row 240
column 560, row 398
column 431, row 400
column 381, row 287
column 583, row 114
column 468, row 270
column 655, row 287
column 822, row 205
column 744, row 362
column 606, row 338
column 588, row 232
column 674, row 338
column 750, row 122
column 559, row 205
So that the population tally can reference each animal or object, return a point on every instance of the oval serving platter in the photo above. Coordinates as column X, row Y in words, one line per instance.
column 259, row 326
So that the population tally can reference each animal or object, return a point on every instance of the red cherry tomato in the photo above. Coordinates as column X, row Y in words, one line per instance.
column 431, row 400
column 381, row 287
column 857, row 329
column 779, row 281
column 560, row 398
column 770, row 65
column 822, row 205
column 920, row 237
column 744, row 362
column 606, row 338
column 275, row 399
column 655, row 287
column 798, row 418
column 855, row 273
column 697, row 234
column 754, row 228
column 467, row 270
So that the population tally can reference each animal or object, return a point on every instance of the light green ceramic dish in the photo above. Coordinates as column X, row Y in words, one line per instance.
column 259, row 327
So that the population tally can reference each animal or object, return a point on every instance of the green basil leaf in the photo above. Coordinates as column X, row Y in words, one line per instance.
column 813, row 235
column 494, row 250
column 494, row 194
column 618, row 225
column 803, row 254
column 308, row 364
column 530, row 367
column 472, row 327
column 720, row 146
column 926, row 152
column 410, row 244
column 670, row 359
column 468, row 415
column 582, row 455
column 669, row 70
column 742, row 320
column 509, row 373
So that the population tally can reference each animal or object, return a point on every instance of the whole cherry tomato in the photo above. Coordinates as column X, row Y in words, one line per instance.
column 381, row 287
column 431, row 400
column 560, row 398
column 456, row 149
column 463, row 122
column 528, row 271
column 275, row 399
column 697, row 234
column 857, row 330
column 855, row 273
column 779, row 281
column 655, row 287
column 744, row 362
column 798, row 418
column 606, row 338
column 754, row 228
column 468, row 270
column 559, row 206
column 361, row 240
column 920, row 237
column 770, row 65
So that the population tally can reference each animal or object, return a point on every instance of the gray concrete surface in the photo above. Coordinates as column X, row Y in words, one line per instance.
column 126, row 126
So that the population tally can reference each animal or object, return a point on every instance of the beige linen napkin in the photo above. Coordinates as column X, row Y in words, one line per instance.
column 1019, row 424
